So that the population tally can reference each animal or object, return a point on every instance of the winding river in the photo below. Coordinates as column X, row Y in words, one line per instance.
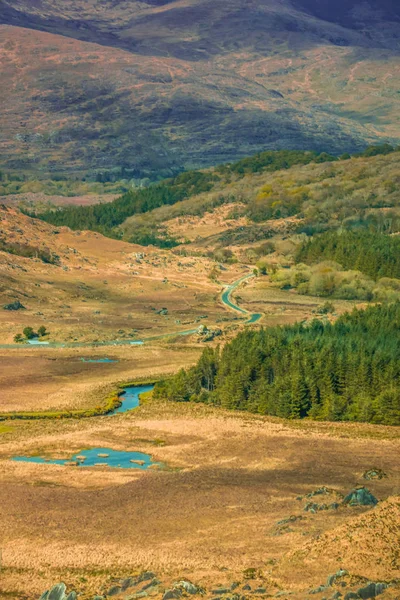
column 107, row 457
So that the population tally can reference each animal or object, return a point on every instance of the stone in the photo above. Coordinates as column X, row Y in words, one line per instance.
column 57, row 592
column 172, row 594
column 332, row 578
column 221, row 590
column 371, row 590
column 188, row 586
column 380, row 587
column 247, row 587
column 72, row 596
column 145, row 576
column 152, row 583
column 360, row 497
column 116, row 589
column 374, row 474
column 318, row 590
column 260, row 590
column 351, row 596
column 14, row 306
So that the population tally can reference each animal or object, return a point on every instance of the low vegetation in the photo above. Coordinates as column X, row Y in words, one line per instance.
column 106, row 217
column 21, row 183
column 329, row 280
column 345, row 371
column 274, row 200
column 28, row 251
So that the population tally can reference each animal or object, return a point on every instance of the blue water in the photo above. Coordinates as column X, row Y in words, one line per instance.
column 98, row 360
column 131, row 398
column 115, row 458
column 254, row 318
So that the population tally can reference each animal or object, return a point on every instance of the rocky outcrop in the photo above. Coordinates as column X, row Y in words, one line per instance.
column 360, row 497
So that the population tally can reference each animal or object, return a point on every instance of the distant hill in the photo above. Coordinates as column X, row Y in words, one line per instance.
column 154, row 86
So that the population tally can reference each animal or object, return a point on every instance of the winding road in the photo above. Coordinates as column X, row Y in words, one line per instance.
column 225, row 298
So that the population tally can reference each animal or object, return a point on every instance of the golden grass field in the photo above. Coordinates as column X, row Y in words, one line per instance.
column 212, row 514
column 214, row 511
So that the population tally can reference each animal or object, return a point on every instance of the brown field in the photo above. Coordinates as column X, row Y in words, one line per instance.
column 212, row 515
column 230, row 478
column 56, row 379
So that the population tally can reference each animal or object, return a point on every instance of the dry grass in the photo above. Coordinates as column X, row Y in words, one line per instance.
column 237, row 476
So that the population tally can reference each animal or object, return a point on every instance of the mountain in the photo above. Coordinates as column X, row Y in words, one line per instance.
column 154, row 86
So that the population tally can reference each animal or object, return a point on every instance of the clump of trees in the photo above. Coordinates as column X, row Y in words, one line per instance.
column 30, row 334
column 374, row 254
column 329, row 280
column 349, row 370
column 106, row 218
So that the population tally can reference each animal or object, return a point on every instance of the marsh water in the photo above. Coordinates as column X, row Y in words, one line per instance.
column 106, row 457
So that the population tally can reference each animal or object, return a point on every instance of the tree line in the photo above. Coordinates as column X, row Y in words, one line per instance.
column 374, row 254
column 105, row 218
column 346, row 371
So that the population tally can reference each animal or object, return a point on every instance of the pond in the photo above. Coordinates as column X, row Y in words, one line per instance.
column 104, row 457
column 98, row 360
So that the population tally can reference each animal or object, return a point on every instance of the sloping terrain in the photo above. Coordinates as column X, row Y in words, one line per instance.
column 154, row 86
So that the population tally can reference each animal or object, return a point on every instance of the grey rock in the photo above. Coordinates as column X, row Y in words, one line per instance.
column 336, row 596
column 57, row 592
column 146, row 576
column 247, row 587
column 360, row 497
column 380, row 587
column 127, row 583
column 72, row 596
column 332, row 578
column 374, row 474
column 152, row 583
column 44, row 596
column 172, row 594
column 234, row 586
column 351, row 596
column 116, row 589
column 318, row 590
column 188, row 586
column 221, row 591
column 15, row 306
column 260, row 590
column 371, row 590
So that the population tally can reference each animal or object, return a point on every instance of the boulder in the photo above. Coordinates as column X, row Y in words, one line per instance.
column 374, row 474
column 360, row 497
column 188, row 586
column 332, row 578
column 172, row 594
column 371, row 590
column 116, row 589
column 14, row 306
column 55, row 593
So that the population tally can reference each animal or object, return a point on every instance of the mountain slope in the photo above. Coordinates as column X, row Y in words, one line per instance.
column 153, row 86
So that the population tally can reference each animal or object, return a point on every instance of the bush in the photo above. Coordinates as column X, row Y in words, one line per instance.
column 29, row 333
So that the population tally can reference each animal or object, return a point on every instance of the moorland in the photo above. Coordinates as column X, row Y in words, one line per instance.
column 263, row 426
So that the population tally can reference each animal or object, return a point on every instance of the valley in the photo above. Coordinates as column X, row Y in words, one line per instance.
column 237, row 503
